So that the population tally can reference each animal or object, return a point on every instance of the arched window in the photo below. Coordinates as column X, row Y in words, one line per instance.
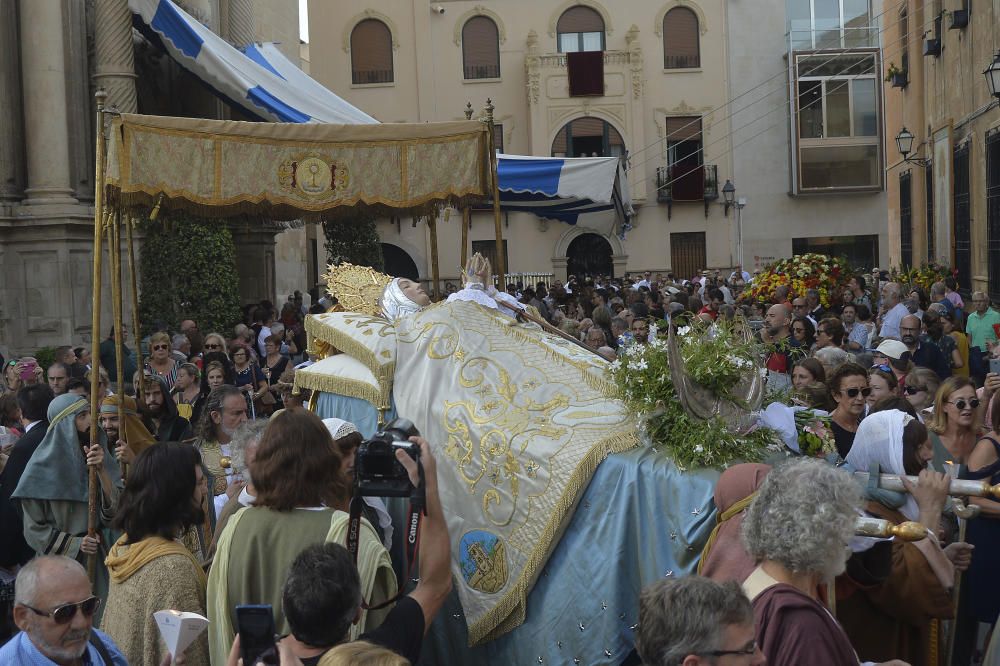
column 580, row 29
column 680, row 39
column 480, row 48
column 371, row 52
column 588, row 137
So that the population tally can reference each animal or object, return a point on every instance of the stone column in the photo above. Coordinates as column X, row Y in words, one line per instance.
column 45, row 114
column 115, row 71
column 11, row 129
column 241, row 23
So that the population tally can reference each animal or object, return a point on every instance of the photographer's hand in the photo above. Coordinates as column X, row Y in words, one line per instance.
column 435, row 546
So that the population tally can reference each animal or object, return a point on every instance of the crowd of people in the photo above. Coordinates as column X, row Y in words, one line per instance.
column 216, row 488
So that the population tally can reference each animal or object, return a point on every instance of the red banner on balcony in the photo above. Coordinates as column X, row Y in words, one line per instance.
column 586, row 73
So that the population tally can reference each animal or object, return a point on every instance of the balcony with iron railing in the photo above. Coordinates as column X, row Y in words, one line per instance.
column 681, row 61
column 472, row 72
column 687, row 183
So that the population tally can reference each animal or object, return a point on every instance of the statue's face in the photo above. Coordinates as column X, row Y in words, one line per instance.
column 415, row 292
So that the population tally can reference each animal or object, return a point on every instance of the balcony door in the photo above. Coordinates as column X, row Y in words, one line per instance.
column 685, row 158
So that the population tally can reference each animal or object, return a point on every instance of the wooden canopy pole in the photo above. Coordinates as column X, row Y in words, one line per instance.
column 501, row 264
column 466, row 212
column 134, row 289
column 95, row 325
column 115, row 264
column 435, row 266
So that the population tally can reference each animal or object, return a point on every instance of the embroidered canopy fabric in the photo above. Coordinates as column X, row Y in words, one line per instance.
column 219, row 168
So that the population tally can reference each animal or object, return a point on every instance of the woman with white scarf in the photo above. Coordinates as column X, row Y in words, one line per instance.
column 403, row 297
column 896, row 590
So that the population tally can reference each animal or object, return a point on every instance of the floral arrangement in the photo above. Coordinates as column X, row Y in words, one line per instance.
column 827, row 275
column 815, row 434
column 716, row 358
column 924, row 276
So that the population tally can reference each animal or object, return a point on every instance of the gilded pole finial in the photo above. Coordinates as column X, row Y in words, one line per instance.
column 468, row 111
column 909, row 531
column 489, row 110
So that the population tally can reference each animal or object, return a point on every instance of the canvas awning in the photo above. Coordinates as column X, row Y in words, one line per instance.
column 261, row 80
column 563, row 188
column 282, row 171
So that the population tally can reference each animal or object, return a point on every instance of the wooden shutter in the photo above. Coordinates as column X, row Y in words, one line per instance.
column 680, row 39
column 481, row 48
column 371, row 52
column 683, row 128
column 580, row 19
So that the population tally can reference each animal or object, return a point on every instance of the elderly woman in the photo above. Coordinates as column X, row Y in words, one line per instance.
column 249, row 377
column 793, row 626
column 160, row 362
column 898, row 588
column 214, row 342
column 302, row 497
column 921, row 387
column 831, row 358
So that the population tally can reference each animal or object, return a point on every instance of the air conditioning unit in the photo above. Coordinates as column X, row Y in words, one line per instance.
column 932, row 47
column 959, row 19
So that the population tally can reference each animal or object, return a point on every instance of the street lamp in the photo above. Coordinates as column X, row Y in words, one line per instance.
column 992, row 74
column 904, row 144
column 728, row 196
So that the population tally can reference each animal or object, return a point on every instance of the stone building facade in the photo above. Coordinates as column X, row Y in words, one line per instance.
column 667, row 74
column 944, row 204
column 53, row 56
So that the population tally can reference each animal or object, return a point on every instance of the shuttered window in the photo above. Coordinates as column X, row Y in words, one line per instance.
column 680, row 39
column 580, row 29
column 371, row 52
column 481, row 48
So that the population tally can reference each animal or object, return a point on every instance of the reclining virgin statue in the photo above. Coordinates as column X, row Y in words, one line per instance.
column 520, row 418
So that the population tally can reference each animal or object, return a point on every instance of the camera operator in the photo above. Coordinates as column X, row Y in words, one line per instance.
column 322, row 598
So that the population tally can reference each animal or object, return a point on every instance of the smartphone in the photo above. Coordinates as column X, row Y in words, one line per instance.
column 255, row 625
column 28, row 371
column 995, row 365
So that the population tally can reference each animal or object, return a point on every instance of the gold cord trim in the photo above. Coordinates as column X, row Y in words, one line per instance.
column 509, row 612
column 351, row 388
column 351, row 347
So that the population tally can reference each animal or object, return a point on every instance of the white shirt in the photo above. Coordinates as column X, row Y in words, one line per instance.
column 31, row 425
column 890, row 324
column 265, row 333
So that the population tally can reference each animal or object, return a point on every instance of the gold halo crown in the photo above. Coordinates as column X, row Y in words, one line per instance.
column 357, row 288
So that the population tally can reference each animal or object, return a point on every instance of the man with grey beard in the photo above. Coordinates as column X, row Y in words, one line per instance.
column 54, row 608
column 225, row 410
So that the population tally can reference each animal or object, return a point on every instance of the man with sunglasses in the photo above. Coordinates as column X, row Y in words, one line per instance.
column 54, row 608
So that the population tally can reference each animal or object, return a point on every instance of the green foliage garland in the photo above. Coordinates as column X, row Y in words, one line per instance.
column 354, row 240
column 188, row 271
column 716, row 357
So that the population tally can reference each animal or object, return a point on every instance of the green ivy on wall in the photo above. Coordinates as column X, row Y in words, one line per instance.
column 188, row 271
column 354, row 240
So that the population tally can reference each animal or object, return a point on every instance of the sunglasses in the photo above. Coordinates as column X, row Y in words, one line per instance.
column 213, row 346
column 853, row 392
column 913, row 390
column 63, row 614
column 961, row 403
column 158, row 347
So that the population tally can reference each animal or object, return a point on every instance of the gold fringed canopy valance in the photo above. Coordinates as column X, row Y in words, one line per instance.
column 220, row 168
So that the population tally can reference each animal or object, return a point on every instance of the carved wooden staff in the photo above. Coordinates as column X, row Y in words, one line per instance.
column 970, row 511
column 524, row 314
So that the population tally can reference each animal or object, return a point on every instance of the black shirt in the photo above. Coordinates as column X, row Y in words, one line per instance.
column 402, row 632
column 843, row 437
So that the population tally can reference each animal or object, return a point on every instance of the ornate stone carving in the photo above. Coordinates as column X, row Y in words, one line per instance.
column 533, row 68
column 241, row 23
column 115, row 59
column 635, row 60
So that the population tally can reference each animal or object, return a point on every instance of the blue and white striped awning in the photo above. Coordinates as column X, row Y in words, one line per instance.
column 262, row 80
column 563, row 188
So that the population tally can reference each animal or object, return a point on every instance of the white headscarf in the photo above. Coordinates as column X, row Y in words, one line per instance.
column 395, row 304
column 339, row 427
column 880, row 440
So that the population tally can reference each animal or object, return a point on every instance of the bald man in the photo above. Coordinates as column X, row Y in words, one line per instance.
column 777, row 334
column 54, row 608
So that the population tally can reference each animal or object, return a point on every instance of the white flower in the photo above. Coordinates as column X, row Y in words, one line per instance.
column 638, row 365
column 683, row 330
column 699, row 449
column 615, row 365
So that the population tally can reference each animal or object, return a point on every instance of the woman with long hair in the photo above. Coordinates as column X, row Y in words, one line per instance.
column 150, row 568
column 984, row 532
column 302, row 498
column 849, row 388
column 160, row 362
column 954, row 425
column 921, row 386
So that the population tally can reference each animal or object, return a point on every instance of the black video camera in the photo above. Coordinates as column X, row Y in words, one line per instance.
column 377, row 473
